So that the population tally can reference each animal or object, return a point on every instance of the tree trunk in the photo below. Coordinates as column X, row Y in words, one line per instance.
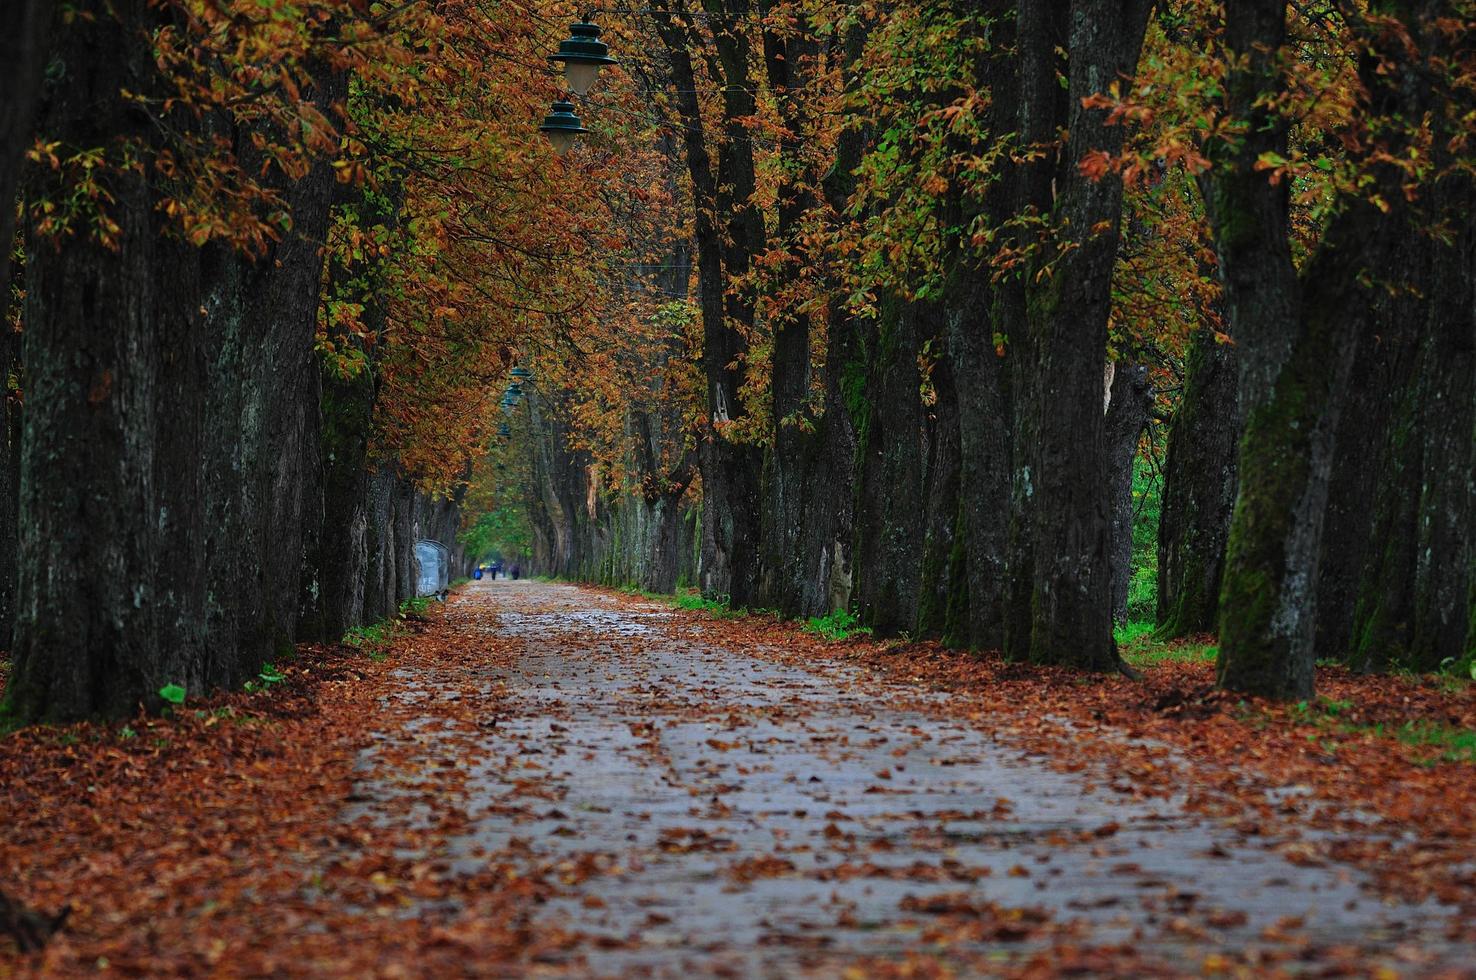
column 110, row 598
column 980, row 379
column 1130, row 406
column 339, row 567
column 1042, row 108
column 729, row 232
column 1067, row 312
column 891, row 460
column 1198, row 491
column 1413, row 607
column 942, row 611
column 1298, row 335
column 1381, row 366
column 381, row 579
column 263, row 407
column 24, row 30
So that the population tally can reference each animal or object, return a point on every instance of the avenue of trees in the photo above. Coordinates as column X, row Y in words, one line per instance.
column 951, row 261
column 840, row 305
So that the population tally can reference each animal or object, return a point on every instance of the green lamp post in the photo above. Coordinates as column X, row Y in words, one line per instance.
column 583, row 54
column 562, row 127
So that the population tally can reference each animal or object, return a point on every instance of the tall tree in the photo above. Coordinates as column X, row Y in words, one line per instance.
column 24, row 30
column 109, row 605
column 729, row 233
column 1062, row 470
column 1297, row 329
column 1198, row 490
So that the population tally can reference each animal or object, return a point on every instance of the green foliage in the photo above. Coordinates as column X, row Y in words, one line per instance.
column 718, row 606
column 1147, row 505
column 268, row 676
column 374, row 639
column 1131, row 633
column 1453, row 744
column 1460, row 668
column 173, row 693
column 501, row 532
column 1139, row 646
column 1144, row 651
column 838, row 625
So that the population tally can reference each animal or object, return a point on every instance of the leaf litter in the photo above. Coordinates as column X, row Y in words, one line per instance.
column 554, row 780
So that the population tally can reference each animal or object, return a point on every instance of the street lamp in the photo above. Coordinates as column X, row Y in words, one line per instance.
column 562, row 127
column 583, row 55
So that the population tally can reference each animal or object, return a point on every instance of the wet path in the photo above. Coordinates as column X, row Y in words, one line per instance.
column 710, row 811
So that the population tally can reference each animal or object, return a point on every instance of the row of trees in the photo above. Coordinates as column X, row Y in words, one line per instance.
column 843, row 305
column 272, row 265
column 949, row 260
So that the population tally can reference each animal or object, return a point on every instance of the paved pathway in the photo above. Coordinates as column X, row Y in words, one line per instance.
column 717, row 812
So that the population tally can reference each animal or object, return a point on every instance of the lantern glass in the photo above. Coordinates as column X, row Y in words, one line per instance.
column 581, row 76
column 562, row 141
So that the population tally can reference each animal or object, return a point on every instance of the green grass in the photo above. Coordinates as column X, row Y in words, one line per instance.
column 836, row 626
column 720, row 606
column 1138, row 647
column 373, row 639
column 1451, row 744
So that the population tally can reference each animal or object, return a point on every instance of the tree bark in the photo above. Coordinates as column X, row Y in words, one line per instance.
column 1382, row 363
column 1128, row 410
column 1198, row 491
column 1413, row 608
column 891, row 464
column 941, row 579
column 1298, row 335
column 980, row 380
column 25, row 26
column 261, row 418
column 729, row 232
column 1066, row 311
column 110, row 603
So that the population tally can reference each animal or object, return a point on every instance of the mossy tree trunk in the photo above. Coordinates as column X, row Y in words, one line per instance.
column 110, row 598
column 1413, row 608
column 942, row 575
column 1298, row 336
column 890, row 466
column 1198, row 490
column 1382, row 363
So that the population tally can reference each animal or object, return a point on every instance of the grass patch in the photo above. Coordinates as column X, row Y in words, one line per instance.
column 1330, row 715
column 1138, row 647
column 376, row 639
column 836, row 626
column 696, row 601
column 1454, row 744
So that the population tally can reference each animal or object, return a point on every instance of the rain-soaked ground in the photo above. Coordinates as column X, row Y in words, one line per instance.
column 728, row 814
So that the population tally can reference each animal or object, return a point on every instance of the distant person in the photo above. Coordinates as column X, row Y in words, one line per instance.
column 516, row 571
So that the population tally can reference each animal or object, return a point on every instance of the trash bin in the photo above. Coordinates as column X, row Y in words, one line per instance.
column 433, row 575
